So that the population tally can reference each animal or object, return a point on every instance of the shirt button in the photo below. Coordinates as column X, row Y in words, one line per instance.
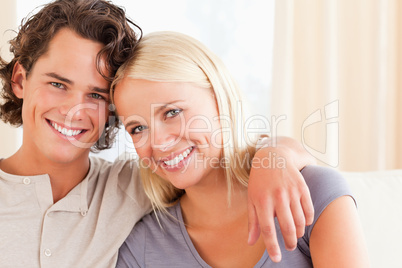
column 48, row 253
column 26, row 181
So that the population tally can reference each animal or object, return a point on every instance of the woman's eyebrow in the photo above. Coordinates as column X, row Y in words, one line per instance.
column 160, row 108
column 130, row 123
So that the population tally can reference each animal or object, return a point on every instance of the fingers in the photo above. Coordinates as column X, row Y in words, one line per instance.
column 267, row 228
column 253, row 225
column 268, row 232
column 307, row 206
column 286, row 220
column 298, row 218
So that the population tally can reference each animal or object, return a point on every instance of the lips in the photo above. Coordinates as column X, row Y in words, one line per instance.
column 68, row 132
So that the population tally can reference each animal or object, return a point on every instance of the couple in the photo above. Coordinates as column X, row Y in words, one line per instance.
column 61, row 208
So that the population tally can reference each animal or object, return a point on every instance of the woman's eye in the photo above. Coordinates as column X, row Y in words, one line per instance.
column 137, row 130
column 58, row 85
column 173, row 113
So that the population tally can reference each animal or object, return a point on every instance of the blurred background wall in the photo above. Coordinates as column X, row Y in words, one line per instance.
column 10, row 137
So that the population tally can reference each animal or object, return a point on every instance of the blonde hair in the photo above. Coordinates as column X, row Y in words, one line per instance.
column 176, row 57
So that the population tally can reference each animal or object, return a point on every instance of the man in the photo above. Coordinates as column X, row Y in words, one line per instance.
column 58, row 206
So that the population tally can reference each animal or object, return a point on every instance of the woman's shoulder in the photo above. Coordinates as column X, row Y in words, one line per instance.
column 313, row 172
column 324, row 183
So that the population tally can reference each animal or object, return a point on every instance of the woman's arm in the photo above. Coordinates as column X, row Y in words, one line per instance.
column 277, row 189
column 337, row 238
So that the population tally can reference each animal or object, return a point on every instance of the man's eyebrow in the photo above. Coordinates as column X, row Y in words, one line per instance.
column 101, row 90
column 59, row 77
column 68, row 81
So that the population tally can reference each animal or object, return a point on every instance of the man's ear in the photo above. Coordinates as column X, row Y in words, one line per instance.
column 18, row 79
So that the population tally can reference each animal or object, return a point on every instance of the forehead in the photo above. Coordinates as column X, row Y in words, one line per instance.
column 69, row 41
column 151, row 91
column 136, row 96
column 71, row 56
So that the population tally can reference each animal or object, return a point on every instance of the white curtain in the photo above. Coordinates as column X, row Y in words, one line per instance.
column 337, row 78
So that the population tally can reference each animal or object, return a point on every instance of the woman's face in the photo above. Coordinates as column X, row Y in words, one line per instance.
column 175, row 129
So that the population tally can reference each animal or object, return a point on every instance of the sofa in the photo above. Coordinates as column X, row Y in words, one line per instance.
column 379, row 201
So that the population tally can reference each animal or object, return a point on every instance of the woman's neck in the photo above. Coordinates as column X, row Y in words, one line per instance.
column 219, row 231
column 208, row 204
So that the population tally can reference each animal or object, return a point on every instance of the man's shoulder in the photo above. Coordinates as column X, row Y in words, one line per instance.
column 123, row 172
column 121, row 177
column 123, row 164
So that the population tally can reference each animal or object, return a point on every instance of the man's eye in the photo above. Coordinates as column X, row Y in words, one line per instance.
column 173, row 113
column 58, row 85
column 137, row 130
column 96, row 96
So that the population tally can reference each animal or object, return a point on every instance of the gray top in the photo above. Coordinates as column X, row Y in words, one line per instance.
column 150, row 246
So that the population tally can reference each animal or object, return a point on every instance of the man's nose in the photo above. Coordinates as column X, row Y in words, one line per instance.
column 74, row 107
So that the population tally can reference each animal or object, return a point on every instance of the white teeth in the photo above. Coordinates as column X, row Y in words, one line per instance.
column 178, row 158
column 65, row 131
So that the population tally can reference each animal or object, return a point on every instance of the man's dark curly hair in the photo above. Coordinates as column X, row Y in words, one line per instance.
column 96, row 20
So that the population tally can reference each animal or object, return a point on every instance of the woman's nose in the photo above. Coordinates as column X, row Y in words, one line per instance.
column 164, row 137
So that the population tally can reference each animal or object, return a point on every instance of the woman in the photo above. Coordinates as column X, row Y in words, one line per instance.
column 179, row 105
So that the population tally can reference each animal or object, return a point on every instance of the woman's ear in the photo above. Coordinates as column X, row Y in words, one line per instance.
column 18, row 79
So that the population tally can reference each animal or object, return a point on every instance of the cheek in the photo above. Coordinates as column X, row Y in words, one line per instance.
column 199, row 128
column 143, row 150
column 145, row 157
column 100, row 115
column 141, row 143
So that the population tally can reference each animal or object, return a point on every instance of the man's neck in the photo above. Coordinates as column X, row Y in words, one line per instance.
column 63, row 176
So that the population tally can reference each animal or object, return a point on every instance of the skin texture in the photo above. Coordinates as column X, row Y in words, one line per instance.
column 220, row 233
column 65, row 88
column 337, row 238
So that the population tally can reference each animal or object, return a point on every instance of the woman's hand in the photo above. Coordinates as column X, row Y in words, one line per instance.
column 277, row 189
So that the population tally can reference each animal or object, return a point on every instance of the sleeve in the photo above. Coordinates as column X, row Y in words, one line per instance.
column 325, row 185
column 132, row 252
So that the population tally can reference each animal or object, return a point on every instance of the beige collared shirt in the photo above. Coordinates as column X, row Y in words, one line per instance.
column 84, row 229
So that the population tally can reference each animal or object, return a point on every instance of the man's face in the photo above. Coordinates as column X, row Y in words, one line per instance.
column 65, row 100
